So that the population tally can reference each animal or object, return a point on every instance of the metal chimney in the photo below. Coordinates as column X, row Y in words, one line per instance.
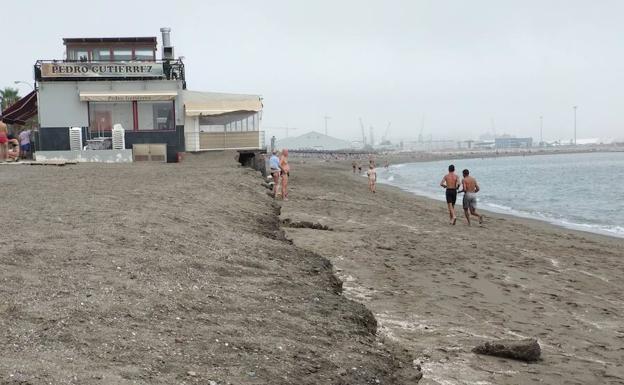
column 166, row 41
column 166, row 36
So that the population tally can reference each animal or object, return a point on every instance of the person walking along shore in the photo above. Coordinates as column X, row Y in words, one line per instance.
column 372, row 178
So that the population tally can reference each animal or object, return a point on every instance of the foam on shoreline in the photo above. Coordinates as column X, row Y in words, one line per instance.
column 607, row 230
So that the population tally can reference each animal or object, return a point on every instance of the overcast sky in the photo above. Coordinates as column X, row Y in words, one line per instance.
column 465, row 65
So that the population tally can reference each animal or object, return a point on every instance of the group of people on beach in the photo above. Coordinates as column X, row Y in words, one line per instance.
column 451, row 182
column 13, row 148
column 469, row 187
column 280, row 171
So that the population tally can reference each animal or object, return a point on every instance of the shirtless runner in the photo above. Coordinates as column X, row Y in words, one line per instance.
column 451, row 183
column 470, row 188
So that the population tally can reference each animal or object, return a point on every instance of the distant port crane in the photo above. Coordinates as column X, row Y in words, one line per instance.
column 363, row 133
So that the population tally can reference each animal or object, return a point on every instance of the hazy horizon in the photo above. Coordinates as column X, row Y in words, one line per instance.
column 465, row 67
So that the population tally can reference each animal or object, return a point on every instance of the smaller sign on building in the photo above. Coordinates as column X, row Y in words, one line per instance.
column 127, row 96
column 102, row 70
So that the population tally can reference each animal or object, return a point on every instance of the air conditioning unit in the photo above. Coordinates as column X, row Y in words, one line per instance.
column 119, row 137
column 75, row 138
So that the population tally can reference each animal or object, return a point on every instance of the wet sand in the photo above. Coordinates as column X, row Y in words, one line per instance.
column 439, row 290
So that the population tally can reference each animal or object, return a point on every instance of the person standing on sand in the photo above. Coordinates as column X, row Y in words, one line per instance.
column 285, row 172
column 359, row 168
column 372, row 178
column 274, row 163
column 470, row 187
column 354, row 165
column 4, row 142
column 451, row 183
column 24, row 139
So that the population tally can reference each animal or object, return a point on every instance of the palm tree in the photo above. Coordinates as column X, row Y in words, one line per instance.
column 8, row 96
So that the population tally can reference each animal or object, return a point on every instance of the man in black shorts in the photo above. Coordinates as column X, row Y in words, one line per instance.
column 451, row 183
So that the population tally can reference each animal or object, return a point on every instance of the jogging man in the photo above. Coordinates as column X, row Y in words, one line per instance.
column 451, row 183
column 470, row 188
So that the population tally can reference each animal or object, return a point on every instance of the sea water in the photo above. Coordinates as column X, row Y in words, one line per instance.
column 579, row 191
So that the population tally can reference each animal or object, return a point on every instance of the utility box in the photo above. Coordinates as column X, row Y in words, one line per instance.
column 149, row 152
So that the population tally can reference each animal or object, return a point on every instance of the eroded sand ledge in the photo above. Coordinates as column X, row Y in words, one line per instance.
column 440, row 290
column 163, row 274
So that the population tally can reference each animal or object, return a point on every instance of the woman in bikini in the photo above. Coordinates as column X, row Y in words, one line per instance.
column 285, row 171
column 372, row 177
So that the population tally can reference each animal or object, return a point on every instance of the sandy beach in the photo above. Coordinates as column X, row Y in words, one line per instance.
column 190, row 273
column 440, row 290
column 171, row 274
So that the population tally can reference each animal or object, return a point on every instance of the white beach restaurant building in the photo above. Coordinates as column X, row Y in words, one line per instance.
column 112, row 100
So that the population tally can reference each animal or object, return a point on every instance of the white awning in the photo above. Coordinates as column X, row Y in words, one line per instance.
column 213, row 103
column 120, row 96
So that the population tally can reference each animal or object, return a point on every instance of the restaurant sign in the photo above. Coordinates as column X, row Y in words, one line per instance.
column 101, row 70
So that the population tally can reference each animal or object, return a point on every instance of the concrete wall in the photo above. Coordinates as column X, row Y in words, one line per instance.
column 56, row 139
column 60, row 106
column 105, row 156
column 255, row 159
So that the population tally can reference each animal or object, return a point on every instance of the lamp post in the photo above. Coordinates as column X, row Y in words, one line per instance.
column 541, row 131
column 21, row 81
column 575, row 107
column 326, row 119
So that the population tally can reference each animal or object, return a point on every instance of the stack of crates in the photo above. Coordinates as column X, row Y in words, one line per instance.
column 75, row 138
column 119, row 137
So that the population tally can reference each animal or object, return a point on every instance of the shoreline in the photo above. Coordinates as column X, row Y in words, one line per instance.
column 510, row 278
column 582, row 228
column 576, row 227
column 520, row 218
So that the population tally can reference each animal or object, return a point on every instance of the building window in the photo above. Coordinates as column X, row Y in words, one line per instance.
column 230, row 122
column 79, row 55
column 155, row 116
column 144, row 54
column 101, row 55
column 103, row 116
column 123, row 54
